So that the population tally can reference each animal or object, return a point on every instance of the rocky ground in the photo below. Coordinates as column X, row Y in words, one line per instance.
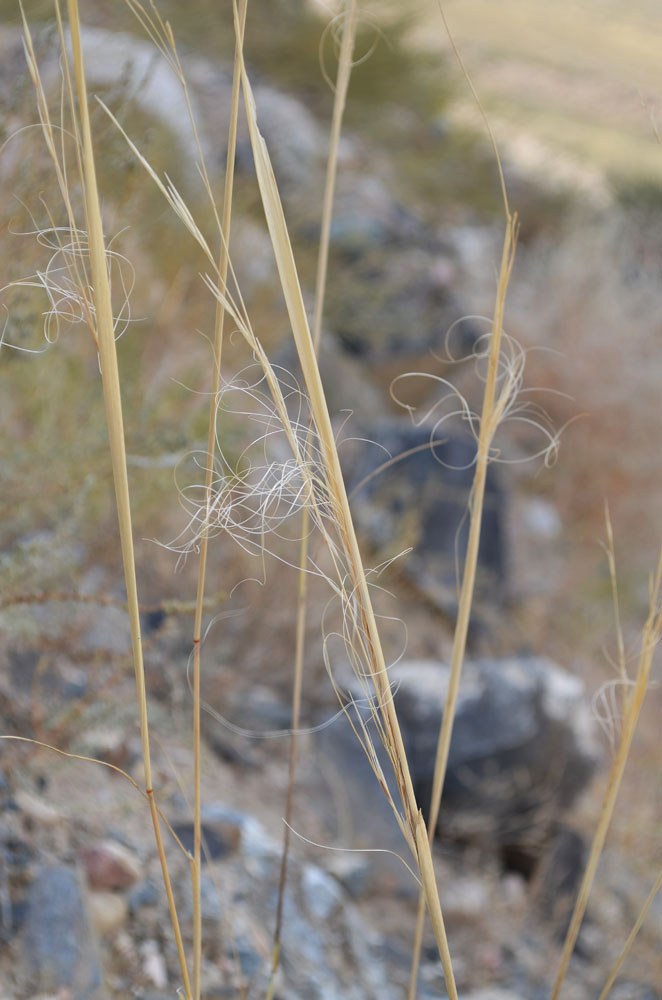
column 83, row 914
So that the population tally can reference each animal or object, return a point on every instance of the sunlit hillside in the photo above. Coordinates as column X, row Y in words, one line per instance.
column 580, row 78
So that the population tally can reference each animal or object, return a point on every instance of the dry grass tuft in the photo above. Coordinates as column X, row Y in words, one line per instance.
column 281, row 492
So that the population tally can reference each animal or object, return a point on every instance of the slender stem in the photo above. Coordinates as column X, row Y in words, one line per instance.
column 631, row 936
column 651, row 636
column 357, row 582
column 491, row 409
column 296, row 714
column 204, row 541
column 172, row 906
column 113, row 403
column 342, row 84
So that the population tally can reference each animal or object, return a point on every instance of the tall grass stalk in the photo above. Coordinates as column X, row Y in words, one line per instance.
column 161, row 34
column 414, row 824
column 631, row 938
column 496, row 403
column 99, row 314
column 611, row 560
column 493, row 409
column 209, row 473
column 349, row 23
column 632, row 707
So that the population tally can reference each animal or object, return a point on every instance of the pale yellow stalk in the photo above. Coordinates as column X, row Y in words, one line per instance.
column 342, row 85
column 631, row 937
column 341, row 88
column 113, row 405
column 633, row 702
column 204, row 541
column 359, row 586
column 611, row 558
column 492, row 411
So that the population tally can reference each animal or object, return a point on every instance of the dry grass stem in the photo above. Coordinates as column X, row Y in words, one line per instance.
column 93, row 295
column 342, row 84
column 204, row 541
column 375, row 664
column 611, row 559
column 494, row 408
column 495, row 403
column 631, row 937
column 633, row 702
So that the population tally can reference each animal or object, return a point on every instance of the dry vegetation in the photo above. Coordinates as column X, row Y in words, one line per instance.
column 178, row 374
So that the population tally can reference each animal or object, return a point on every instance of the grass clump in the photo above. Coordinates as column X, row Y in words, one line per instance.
column 277, row 488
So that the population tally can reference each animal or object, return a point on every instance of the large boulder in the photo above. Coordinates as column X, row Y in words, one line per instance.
column 129, row 70
column 409, row 488
column 523, row 746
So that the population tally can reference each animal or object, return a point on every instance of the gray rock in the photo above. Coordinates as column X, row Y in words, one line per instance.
column 8, row 918
column 421, row 501
column 327, row 953
column 250, row 961
column 133, row 68
column 58, row 942
column 218, row 838
column 353, row 807
column 367, row 951
column 261, row 854
column 295, row 141
column 353, row 872
column 28, row 666
column 523, row 745
column 144, row 894
column 110, row 632
column 523, row 749
column 322, row 894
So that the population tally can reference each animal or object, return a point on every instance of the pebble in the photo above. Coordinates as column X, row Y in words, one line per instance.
column 633, row 991
column 492, row 993
column 113, row 746
column 110, row 865
column 108, row 911
column 513, row 890
column 210, row 904
column 36, row 809
column 144, row 894
column 218, row 838
column 249, row 960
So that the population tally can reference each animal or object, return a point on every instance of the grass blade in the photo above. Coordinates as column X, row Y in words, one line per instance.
column 378, row 674
column 113, row 404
